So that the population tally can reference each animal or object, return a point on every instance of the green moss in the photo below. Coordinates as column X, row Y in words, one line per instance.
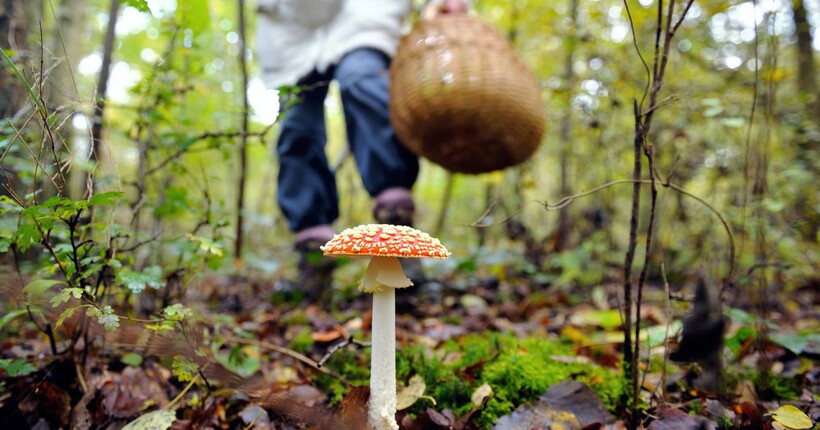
column 526, row 369
column 518, row 370
column 352, row 365
column 302, row 341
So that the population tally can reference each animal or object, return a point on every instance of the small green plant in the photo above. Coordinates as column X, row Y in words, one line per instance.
column 16, row 367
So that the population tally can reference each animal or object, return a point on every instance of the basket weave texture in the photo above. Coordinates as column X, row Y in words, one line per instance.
column 462, row 98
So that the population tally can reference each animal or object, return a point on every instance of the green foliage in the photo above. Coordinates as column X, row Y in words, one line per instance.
column 131, row 359
column 526, row 369
column 353, row 365
column 17, row 367
column 137, row 281
column 105, row 317
column 242, row 359
column 177, row 312
column 140, row 5
column 184, row 368
column 302, row 341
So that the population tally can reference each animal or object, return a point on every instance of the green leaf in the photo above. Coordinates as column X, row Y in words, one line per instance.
column 131, row 359
column 184, row 369
column 156, row 420
column 604, row 318
column 140, row 5
column 67, row 314
column 28, row 235
column 17, row 367
column 65, row 295
column 105, row 199
column 137, row 281
column 37, row 288
column 109, row 320
column 795, row 342
column 195, row 14
column 177, row 312
column 7, row 318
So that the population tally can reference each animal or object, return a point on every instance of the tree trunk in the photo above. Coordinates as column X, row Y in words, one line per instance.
column 806, row 72
column 16, row 19
column 243, row 139
column 561, row 236
column 102, row 90
column 66, row 48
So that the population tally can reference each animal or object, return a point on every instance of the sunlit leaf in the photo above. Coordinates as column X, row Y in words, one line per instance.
column 156, row 420
column 131, row 359
column 408, row 395
column 105, row 199
column 34, row 290
column 481, row 393
column 791, row 417
column 65, row 295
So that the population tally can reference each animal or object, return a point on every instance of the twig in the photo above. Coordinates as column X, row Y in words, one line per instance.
column 243, row 140
column 630, row 362
column 203, row 136
column 332, row 350
column 668, row 302
column 282, row 350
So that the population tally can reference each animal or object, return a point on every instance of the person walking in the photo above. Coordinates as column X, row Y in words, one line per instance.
column 308, row 44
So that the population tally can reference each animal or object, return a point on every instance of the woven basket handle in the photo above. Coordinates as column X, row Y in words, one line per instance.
column 434, row 9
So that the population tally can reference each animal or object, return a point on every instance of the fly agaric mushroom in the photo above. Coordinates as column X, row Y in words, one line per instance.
column 385, row 243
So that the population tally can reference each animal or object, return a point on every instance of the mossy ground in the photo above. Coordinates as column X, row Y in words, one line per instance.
column 517, row 370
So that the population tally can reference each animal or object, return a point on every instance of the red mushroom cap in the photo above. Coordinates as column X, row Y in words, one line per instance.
column 385, row 240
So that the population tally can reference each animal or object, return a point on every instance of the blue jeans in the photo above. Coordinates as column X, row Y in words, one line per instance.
column 307, row 191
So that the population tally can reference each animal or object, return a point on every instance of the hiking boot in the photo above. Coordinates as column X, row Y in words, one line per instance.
column 394, row 206
column 315, row 270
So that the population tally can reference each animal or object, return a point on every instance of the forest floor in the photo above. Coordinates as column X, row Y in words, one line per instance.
column 478, row 350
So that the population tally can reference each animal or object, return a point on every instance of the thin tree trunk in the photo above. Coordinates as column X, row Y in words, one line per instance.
column 61, row 87
column 562, row 234
column 806, row 71
column 16, row 17
column 445, row 204
column 102, row 90
column 243, row 139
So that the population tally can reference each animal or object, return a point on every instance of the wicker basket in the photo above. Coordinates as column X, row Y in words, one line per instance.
column 462, row 98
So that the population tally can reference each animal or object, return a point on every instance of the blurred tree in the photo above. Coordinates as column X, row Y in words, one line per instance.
column 17, row 21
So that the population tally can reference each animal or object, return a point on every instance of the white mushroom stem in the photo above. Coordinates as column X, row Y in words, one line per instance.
column 382, row 277
column 382, row 405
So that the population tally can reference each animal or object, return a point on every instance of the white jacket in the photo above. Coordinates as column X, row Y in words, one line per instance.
column 295, row 36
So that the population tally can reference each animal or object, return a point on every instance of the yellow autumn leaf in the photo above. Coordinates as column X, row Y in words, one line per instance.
column 791, row 417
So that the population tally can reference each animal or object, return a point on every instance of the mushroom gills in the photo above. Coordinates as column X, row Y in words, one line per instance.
column 384, row 272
